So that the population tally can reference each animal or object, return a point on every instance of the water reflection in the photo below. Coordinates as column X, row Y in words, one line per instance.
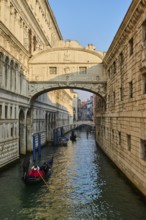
column 83, row 185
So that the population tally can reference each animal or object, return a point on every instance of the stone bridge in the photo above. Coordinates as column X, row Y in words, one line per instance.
column 67, row 65
column 85, row 122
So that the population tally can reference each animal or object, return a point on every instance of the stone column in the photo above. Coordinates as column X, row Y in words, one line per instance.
column 3, row 111
column 2, row 72
column 29, row 137
column 8, row 76
column 17, row 81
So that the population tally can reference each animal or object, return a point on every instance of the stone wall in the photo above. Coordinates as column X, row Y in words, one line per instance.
column 121, row 124
column 25, row 28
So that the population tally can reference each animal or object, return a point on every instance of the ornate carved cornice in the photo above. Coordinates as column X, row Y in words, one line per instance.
column 36, row 89
column 4, row 31
column 53, row 19
column 34, row 23
column 11, row 47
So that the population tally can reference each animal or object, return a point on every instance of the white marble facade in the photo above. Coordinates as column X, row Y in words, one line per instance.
column 26, row 27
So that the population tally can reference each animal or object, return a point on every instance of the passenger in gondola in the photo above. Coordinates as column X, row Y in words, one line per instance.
column 35, row 171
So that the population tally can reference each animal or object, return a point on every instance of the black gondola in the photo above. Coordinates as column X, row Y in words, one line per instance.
column 38, row 174
column 73, row 136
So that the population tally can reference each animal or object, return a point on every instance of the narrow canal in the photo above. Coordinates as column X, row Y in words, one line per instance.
column 83, row 186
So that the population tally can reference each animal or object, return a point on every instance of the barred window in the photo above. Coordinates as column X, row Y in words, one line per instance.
column 144, row 83
column 114, row 67
column 12, row 131
column 0, row 111
column 144, row 31
column 34, row 43
column 131, row 47
column 30, row 40
column 131, row 89
column 114, row 97
column 121, row 59
column 143, row 150
column 11, row 112
column 121, row 94
column 83, row 70
column 129, row 142
column 119, row 133
column 6, row 111
column 53, row 70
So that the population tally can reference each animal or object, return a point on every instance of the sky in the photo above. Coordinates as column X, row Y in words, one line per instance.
column 89, row 22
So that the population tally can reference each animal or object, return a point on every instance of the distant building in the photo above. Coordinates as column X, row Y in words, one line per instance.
column 90, row 108
column 75, row 106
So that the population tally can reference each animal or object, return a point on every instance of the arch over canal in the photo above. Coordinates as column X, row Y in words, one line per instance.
column 67, row 65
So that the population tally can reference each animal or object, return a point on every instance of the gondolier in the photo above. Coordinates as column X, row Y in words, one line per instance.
column 25, row 165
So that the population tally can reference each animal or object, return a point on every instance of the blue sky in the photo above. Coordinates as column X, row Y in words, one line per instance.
column 94, row 21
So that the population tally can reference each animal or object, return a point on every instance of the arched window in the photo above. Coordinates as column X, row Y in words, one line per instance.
column 6, row 71
column 34, row 43
column 30, row 40
column 11, row 74
column 15, row 76
column 1, row 68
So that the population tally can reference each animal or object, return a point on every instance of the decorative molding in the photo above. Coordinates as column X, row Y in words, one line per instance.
column 38, row 88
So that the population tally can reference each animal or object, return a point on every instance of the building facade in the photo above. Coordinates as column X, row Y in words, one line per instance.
column 121, row 116
column 28, row 27
column 90, row 104
column 25, row 28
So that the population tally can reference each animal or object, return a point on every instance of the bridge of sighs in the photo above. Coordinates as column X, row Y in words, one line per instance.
column 67, row 65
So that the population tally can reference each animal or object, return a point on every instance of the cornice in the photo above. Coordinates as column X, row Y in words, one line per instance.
column 10, row 37
column 95, row 53
column 34, row 22
column 53, row 18
column 127, row 26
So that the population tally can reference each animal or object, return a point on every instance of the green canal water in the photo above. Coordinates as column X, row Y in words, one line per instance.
column 83, row 186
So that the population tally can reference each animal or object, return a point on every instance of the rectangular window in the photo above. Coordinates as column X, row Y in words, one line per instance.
column 108, row 73
column 108, row 101
column 121, row 59
column 114, row 67
column 30, row 40
column 112, row 134
column 131, row 47
column 144, row 83
column 114, row 97
column 83, row 70
column 131, row 89
column 0, row 111
column 6, row 112
column 15, row 112
column 12, row 130
column 143, row 150
column 11, row 112
column 53, row 70
column 144, row 31
column 34, row 43
column 129, row 142
column 119, row 133
column 121, row 94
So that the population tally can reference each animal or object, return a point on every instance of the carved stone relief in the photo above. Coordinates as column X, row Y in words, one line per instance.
column 66, row 70
column 67, row 55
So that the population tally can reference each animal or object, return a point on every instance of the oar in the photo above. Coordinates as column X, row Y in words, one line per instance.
column 43, row 180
